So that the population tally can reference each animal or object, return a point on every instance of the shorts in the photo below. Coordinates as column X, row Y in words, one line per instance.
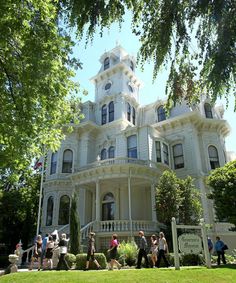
column 90, row 255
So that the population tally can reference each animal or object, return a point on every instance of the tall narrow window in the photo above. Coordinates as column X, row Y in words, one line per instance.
column 132, row 146
column 106, row 63
column 111, row 111
column 134, row 116
column 165, row 154
column 103, row 154
column 178, row 156
column 128, row 112
column 158, row 151
column 213, row 156
column 108, row 207
column 111, row 152
column 64, row 210
column 161, row 114
column 208, row 110
column 67, row 161
column 104, row 114
column 53, row 168
column 131, row 65
column 49, row 211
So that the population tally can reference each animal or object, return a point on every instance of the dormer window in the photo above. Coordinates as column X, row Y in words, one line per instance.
column 108, row 86
column 131, row 65
column 106, row 63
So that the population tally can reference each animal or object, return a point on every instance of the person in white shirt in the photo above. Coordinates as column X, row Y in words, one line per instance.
column 162, row 249
column 63, row 244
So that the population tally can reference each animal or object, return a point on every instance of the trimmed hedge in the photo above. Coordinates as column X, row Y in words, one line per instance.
column 71, row 259
column 81, row 261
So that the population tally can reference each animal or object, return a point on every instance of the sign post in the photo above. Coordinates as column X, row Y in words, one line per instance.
column 190, row 243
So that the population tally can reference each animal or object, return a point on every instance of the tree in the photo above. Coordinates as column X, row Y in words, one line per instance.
column 177, row 198
column 223, row 184
column 74, row 226
column 36, row 68
column 19, row 208
column 190, row 209
column 196, row 38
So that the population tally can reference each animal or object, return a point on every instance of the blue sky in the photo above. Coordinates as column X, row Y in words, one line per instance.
column 90, row 55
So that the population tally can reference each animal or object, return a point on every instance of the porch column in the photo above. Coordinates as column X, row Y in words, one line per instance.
column 97, row 201
column 153, row 203
column 129, row 199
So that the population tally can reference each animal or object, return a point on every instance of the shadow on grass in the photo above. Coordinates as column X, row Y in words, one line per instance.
column 230, row 266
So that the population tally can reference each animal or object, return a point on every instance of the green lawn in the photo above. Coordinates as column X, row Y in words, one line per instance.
column 185, row 275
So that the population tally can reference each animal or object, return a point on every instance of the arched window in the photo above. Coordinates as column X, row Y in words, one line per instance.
column 104, row 114
column 208, row 110
column 131, row 65
column 103, row 154
column 107, row 86
column 178, row 156
column 165, row 154
column 132, row 146
column 111, row 111
column 106, row 63
column 67, row 161
column 49, row 211
column 213, row 156
column 161, row 114
column 108, row 207
column 111, row 152
column 128, row 112
column 53, row 168
column 134, row 116
column 64, row 210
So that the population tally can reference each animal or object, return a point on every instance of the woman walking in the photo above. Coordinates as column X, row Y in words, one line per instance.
column 113, row 252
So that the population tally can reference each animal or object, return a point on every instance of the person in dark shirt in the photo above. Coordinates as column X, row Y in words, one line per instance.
column 142, row 250
column 91, row 251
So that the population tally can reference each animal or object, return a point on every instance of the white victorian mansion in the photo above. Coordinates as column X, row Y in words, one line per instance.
column 113, row 159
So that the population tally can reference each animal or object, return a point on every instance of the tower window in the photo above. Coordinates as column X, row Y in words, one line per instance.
column 104, row 114
column 64, row 210
column 67, row 161
column 158, row 151
column 213, row 156
column 208, row 110
column 134, row 115
column 131, row 65
column 111, row 152
column 53, row 168
column 178, row 156
column 111, row 111
column 128, row 112
column 103, row 154
column 132, row 146
column 107, row 86
column 166, row 153
column 161, row 114
column 106, row 63
column 49, row 211
column 108, row 207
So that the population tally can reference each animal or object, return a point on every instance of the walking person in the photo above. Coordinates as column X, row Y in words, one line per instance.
column 142, row 250
column 63, row 245
column 113, row 252
column 37, row 253
column 49, row 253
column 44, row 246
column 162, row 249
column 91, row 251
column 219, row 248
column 154, row 250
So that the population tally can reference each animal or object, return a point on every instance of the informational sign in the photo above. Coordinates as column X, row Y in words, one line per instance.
column 190, row 244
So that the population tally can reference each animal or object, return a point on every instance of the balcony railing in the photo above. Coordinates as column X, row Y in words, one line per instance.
column 118, row 161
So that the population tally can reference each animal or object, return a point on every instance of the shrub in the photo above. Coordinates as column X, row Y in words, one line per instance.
column 71, row 259
column 191, row 259
column 4, row 262
column 127, row 253
column 81, row 261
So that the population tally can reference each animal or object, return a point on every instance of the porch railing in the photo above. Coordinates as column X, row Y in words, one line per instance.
column 118, row 161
